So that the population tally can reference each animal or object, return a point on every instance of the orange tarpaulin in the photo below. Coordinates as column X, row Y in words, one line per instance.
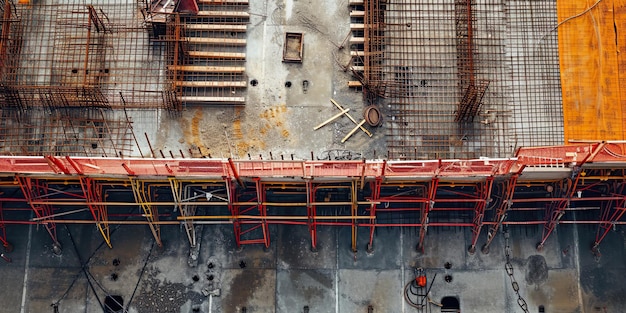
column 592, row 77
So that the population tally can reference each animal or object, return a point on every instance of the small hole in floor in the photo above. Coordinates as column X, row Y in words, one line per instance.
column 244, row 310
column 211, row 277
column 114, row 277
column 542, row 309
column 448, row 278
column 195, row 278
column 242, row 264
column 74, row 71
column 211, row 265
column 254, row 82
column 306, row 309
column 196, row 309
column 94, row 146
column 288, row 84
column 113, row 304
column 448, row 265
column 116, row 262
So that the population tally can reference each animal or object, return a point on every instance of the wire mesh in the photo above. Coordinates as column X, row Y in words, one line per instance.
column 454, row 77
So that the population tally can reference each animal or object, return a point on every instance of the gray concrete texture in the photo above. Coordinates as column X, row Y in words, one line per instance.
column 286, row 277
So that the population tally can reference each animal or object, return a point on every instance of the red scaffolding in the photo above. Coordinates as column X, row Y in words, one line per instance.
column 253, row 195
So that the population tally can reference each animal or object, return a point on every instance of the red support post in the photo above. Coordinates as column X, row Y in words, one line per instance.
column 556, row 210
column 260, row 190
column 311, row 213
column 34, row 189
column 484, row 193
column 505, row 205
column 610, row 213
column 93, row 194
column 425, row 210
column 375, row 186
column 3, row 232
column 231, row 188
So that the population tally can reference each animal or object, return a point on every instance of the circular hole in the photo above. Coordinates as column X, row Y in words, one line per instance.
column 448, row 278
column 196, row 309
column 116, row 262
column 288, row 84
column 114, row 277
column 211, row 277
column 448, row 265
column 195, row 278
column 254, row 82
column 211, row 265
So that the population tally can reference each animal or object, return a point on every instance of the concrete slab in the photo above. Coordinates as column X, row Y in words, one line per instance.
column 314, row 288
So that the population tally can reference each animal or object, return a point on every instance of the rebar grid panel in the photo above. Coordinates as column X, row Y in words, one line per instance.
column 447, row 77
column 69, row 47
column 535, row 86
column 206, row 54
column 67, row 131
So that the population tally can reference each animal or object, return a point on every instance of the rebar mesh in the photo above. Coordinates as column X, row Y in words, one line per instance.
column 449, row 74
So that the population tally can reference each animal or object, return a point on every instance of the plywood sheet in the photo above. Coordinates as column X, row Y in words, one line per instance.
column 589, row 46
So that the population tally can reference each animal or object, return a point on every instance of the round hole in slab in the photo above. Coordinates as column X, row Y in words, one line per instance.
column 114, row 276
column 448, row 278
column 210, row 277
column 254, row 82
column 211, row 265
column 195, row 278
column 116, row 262
column 448, row 265
column 542, row 309
column 196, row 309
column 288, row 84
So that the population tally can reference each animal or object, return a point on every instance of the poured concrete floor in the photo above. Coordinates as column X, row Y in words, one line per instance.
column 564, row 277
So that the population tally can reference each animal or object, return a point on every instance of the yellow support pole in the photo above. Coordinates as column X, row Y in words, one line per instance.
column 142, row 198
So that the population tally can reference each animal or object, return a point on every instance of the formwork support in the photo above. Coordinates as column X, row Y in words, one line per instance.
column 185, row 210
column 34, row 189
column 353, row 211
column 505, row 205
column 556, row 210
column 375, row 186
column 426, row 208
column 3, row 232
column 92, row 191
column 247, row 227
column 142, row 197
column 311, row 213
column 484, row 193
column 612, row 211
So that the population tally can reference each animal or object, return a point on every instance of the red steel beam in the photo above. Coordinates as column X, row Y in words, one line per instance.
column 93, row 194
column 610, row 214
column 311, row 213
column 35, row 189
column 425, row 210
column 484, row 192
column 505, row 205
column 375, row 186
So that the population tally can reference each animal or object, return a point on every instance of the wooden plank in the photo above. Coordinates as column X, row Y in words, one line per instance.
column 216, row 41
column 215, row 84
column 334, row 117
column 223, row 100
column 354, row 84
column 355, row 2
column 358, row 68
column 218, row 27
column 207, row 69
column 356, row 26
column 224, row 14
column 589, row 54
column 357, row 40
column 357, row 13
column 217, row 55
column 239, row 2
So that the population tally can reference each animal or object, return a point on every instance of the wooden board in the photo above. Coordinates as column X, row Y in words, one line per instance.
column 592, row 81
column 213, row 84
column 207, row 69
column 217, row 41
column 217, row 55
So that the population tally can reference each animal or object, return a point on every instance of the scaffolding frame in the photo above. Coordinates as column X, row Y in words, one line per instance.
column 255, row 195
